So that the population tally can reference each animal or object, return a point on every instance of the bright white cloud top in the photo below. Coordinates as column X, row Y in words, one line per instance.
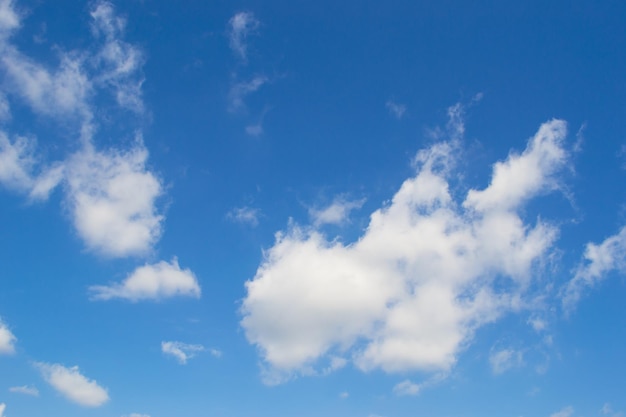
column 112, row 198
column 422, row 266
column 151, row 282
column 73, row 385
column 410, row 293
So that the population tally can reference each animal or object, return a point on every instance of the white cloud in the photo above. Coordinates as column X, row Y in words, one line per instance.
column 505, row 359
column 396, row 109
column 240, row 90
column 336, row 213
column 565, row 412
column 3, row 407
column 112, row 196
column 407, row 387
column 118, row 62
column 137, row 415
column 7, row 340
column 151, row 282
column 26, row 390
column 427, row 272
column 73, row 385
column 61, row 93
column 242, row 25
column 68, row 90
column 600, row 259
column 181, row 351
column 244, row 215
column 17, row 163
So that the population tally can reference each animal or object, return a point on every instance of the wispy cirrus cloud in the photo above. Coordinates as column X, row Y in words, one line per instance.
column 245, row 215
column 502, row 360
column 118, row 62
column 18, row 163
column 241, row 26
column 240, row 90
column 416, row 285
column 599, row 260
column 395, row 109
column 151, row 282
column 181, row 351
column 26, row 390
column 73, row 385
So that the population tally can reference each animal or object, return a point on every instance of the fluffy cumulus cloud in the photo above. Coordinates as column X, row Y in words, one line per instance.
column 26, row 390
column 3, row 406
column 428, row 271
column 241, row 25
column 112, row 196
column 151, row 282
column 336, row 213
column 7, row 340
column 73, row 385
column 600, row 259
column 181, row 351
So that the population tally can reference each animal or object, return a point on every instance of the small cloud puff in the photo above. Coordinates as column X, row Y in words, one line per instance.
column 73, row 385
column 184, row 351
column 151, row 282
column 407, row 387
column 244, row 215
column 336, row 213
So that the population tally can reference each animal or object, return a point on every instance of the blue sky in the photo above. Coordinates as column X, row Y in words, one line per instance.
column 353, row 209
